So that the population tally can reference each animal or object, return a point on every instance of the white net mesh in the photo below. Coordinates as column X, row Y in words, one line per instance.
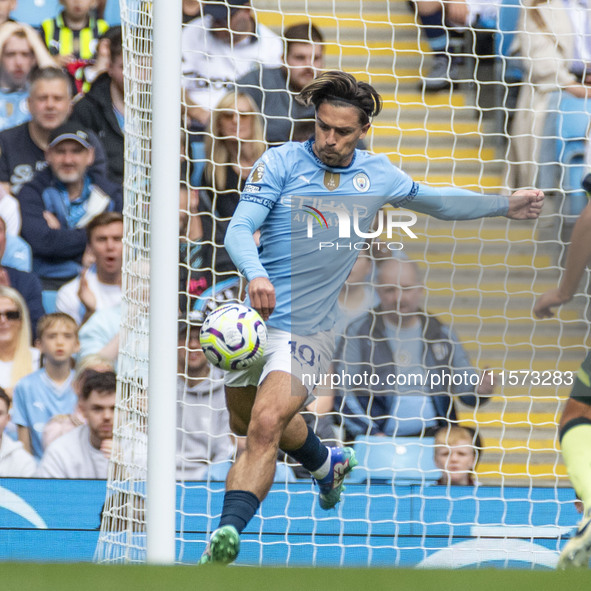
column 508, row 112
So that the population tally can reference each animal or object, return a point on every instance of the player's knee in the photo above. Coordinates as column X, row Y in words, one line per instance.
column 266, row 427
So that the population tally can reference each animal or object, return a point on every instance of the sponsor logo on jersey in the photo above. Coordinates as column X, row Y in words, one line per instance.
column 361, row 182
column 251, row 188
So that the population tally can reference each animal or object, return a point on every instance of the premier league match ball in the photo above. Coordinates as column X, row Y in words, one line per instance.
column 233, row 337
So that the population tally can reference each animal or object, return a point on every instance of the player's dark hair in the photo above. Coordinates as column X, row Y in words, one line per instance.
column 4, row 396
column 115, row 38
column 302, row 33
column 341, row 88
column 103, row 382
column 102, row 219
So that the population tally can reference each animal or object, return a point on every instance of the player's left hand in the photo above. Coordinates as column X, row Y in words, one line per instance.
column 525, row 204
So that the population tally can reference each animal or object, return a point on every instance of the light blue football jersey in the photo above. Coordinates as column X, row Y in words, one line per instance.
column 14, row 108
column 36, row 399
column 314, row 220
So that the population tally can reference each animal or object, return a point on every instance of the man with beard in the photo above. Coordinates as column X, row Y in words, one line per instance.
column 274, row 89
column 60, row 201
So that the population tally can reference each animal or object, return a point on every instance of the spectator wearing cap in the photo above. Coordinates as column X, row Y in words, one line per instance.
column 60, row 201
column 219, row 48
column 203, row 428
column 22, row 148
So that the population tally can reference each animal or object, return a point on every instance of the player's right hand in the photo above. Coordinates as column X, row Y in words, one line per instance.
column 262, row 296
column 547, row 301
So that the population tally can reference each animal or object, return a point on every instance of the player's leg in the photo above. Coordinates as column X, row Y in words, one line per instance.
column 239, row 402
column 278, row 400
column 575, row 441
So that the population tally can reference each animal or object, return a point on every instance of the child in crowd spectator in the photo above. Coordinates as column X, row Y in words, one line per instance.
column 14, row 459
column 72, row 36
column 457, row 453
column 48, row 391
column 59, row 425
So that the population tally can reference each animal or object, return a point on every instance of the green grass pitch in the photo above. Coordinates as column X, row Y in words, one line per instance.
column 91, row 577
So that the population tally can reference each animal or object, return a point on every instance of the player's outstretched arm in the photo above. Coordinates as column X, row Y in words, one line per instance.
column 525, row 204
column 453, row 203
column 578, row 257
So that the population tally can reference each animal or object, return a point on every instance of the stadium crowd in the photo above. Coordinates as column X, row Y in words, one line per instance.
column 62, row 122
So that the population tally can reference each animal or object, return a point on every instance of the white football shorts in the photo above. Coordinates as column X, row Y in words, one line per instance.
column 306, row 358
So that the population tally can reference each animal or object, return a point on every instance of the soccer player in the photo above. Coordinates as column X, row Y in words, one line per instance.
column 575, row 423
column 295, row 280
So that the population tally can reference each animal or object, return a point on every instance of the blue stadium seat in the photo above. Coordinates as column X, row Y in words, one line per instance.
column 507, row 26
column 508, row 70
column 404, row 460
column 198, row 162
column 34, row 12
column 573, row 122
column 218, row 472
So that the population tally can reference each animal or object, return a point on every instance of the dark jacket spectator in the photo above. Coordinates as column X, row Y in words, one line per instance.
column 54, row 218
column 95, row 113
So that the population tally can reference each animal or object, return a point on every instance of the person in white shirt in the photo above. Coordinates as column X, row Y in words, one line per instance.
column 98, row 286
column 219, row 48
column 14, row 459
column 203, row 428
column 85, row 451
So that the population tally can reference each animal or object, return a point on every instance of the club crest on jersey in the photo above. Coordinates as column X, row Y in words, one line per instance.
column 259, row 173
column 361, row 182
column 332, row 180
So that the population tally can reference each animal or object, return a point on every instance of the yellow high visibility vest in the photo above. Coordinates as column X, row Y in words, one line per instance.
column 61, row 40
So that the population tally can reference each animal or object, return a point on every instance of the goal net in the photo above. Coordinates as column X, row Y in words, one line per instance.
column 496, row 120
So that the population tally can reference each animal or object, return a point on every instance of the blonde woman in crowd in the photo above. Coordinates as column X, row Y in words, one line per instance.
column 17, row 358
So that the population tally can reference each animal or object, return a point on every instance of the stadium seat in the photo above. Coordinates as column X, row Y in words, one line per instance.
column 198, row 162
column 218, row 472
column 403, row 460
column 34, row 12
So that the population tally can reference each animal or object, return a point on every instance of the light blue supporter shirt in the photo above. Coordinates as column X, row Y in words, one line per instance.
column 299, row 204
column 36, row 399
column 14, row 108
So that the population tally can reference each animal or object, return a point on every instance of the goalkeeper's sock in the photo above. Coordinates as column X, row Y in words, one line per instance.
column 239, row 508
column 313, row 455
column 575, row 441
